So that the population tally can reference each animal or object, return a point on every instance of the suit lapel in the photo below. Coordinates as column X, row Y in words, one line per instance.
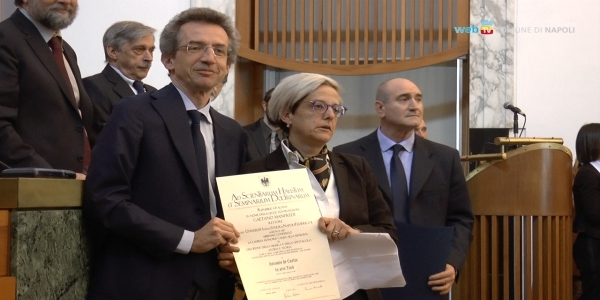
column 276, row 161
column 341, row 181
column 169, row 105
column 120, row 87
column 258, row 139
column 372, row 153
column 43, row 52
column 223, row 141
column 421, row 168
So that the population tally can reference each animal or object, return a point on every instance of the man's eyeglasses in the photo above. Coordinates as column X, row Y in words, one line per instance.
column 218, row 51
column 320, row 106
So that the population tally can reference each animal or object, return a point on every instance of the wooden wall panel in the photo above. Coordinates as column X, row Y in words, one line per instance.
column 369, row 27
column 4, row 243
column 8, row 288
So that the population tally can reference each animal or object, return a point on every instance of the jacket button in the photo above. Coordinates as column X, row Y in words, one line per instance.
column 79, row 128
column 79, row 158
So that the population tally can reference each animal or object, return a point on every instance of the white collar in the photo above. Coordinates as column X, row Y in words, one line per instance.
column 386, row 143
column 189, row 105
column 127, row 79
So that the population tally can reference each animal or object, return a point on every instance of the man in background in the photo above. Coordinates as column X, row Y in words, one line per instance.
column 264, row 135
column 421, row 130
column 422, row 181
column 45, row 113
column 128, row 51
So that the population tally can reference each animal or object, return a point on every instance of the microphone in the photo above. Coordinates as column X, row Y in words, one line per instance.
column 514, row 109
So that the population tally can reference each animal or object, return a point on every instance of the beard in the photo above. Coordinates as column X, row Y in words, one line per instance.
column 49, row 17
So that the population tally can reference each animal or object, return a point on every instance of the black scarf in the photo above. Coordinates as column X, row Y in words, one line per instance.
column 318, row 164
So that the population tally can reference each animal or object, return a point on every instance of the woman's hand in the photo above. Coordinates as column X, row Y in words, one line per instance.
column 335, row 229
column 226, row 259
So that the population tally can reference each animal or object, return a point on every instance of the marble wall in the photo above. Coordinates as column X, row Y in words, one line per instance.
column 49, row 256
column 224, row 102
column 491, row 59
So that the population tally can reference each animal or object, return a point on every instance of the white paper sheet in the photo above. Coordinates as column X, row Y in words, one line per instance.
column 366, row 261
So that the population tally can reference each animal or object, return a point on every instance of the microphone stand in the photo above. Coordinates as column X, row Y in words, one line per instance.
column 516, row 125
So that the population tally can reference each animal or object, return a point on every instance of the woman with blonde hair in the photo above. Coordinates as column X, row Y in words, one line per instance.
column 307, row 107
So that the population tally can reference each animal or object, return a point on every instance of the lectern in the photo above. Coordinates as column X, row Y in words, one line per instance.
column 43, row 253
column 522, row 234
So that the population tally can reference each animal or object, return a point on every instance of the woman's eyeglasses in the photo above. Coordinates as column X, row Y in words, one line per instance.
column 320, row 106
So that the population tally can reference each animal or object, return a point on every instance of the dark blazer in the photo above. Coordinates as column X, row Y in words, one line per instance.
column 361, row 203
column 40, row 124
column 586, row 193
column 143, row 189
column 257, row 148
column 106, row 89
column 438, row 191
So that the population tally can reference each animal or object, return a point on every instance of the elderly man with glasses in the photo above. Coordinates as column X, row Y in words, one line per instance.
column 151, row 200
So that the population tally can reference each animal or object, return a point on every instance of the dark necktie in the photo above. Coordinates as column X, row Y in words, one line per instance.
column 200, row 146
column 139, row 87
column 57, row 52
column 273, row 141
column 399, row 186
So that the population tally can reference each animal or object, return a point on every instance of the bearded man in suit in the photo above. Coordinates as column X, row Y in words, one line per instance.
column 264, row 135
column 45, row 113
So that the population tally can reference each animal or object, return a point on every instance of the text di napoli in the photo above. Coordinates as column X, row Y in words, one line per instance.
column 487, row 27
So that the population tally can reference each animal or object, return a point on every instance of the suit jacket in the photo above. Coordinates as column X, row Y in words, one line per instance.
column 438, row 193
column 361, row 203
column 106, row 89
column 257, row 148
column 586, row 193
column 143, row 189
column 40, row 124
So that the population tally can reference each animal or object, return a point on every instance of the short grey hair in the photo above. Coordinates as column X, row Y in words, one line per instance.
column 291, row 90
column 123, row 32
column 170, row 38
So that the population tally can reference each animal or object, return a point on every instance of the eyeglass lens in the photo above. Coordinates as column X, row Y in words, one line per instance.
column 322, row 107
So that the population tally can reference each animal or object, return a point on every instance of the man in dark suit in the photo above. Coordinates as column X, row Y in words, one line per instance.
column 128, row 48
column 437, row 192
column 263, row 135
column 421, row 130
column 151, row 198
column 45, row 113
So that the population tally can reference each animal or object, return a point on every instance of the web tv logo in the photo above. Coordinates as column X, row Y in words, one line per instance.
column 487, row 27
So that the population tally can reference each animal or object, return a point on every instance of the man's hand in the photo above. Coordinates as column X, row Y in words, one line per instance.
column 226, row 259
column 216, row 232
column 442, row 282
column 79, row 176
